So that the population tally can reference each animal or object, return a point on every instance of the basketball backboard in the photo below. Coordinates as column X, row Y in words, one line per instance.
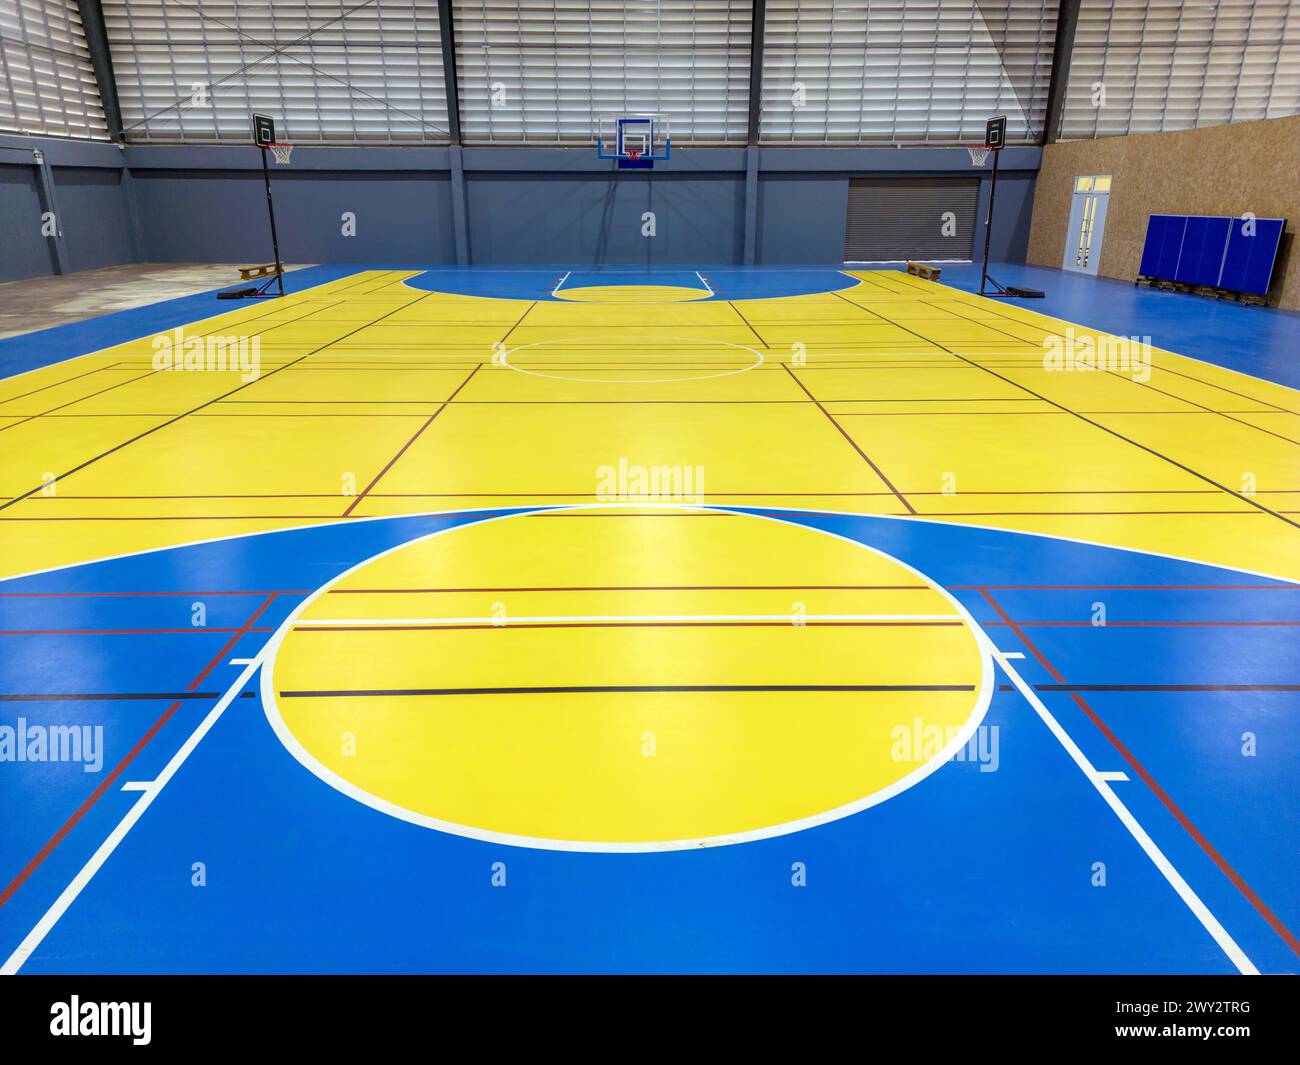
column 995, row 132
column 636, row 140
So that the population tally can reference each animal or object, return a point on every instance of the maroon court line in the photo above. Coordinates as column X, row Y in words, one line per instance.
column 140, row 744
column 1273, row 921
column 506, row 625
column 123, row 632
column 133, row 595
column 852, row 443
column 650, row 588
column 1147, row 624
column 428, row 421
column 1123, row 587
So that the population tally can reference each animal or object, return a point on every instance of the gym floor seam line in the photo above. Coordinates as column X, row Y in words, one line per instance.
column 1114, row 432
column 1260, row 906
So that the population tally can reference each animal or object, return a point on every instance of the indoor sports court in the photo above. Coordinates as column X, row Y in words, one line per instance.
column 493, row 486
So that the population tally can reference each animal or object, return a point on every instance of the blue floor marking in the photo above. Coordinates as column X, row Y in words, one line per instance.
column 967, row 871
column 1260, row 341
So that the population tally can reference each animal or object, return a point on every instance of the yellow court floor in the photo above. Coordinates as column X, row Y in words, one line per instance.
column 891, row 396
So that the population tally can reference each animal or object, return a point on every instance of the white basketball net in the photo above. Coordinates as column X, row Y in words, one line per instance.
column 978, row 156
column 282, row 152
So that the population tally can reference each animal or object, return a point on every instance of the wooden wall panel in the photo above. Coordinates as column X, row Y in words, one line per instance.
column 1223, row 170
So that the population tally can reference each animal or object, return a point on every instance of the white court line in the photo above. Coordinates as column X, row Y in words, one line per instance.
column 705, row 281
column 150, row 792
column 505, row 621
column 1100, row 781
column 1013, row 654
column 138, row 785
column 240, row 661
column 1113, row 774
column 559, row 283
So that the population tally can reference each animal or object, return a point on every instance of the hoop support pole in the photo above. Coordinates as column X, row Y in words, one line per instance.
column 988, row 221
column 270, row 212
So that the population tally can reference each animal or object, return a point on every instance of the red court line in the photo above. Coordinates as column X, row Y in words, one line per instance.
column 120, row 632
column 132, row 595
column 506, row 625
column 1145, row 624
column 129, row 757
column 178, row 517
column 1124, row 587
column 428, row 421
column 852, row 443
column 653, row 588
column 1273, row 921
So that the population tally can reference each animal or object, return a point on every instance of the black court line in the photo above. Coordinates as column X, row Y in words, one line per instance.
column 627, row 689
column 1116, row 433
column 73, row 402
column 79, row 399
column 1208, row 384
column 1201, row 408
column 172, row 421
column 1163, row 369
column 53, row 384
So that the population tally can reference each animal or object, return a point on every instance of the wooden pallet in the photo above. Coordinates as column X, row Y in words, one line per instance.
column 248, row 273
column 930, row 273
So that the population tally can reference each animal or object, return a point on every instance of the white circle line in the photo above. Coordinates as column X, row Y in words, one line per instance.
column 505, row 360
column 271, row 708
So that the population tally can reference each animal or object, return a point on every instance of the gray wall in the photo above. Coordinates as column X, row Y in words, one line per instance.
column 220, row 216
column 597, row 218
column 84, row 184
column 96, row 223
column 23, row 251
column 524, row 206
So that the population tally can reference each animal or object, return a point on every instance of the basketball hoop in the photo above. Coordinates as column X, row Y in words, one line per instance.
column 633, row 153
column 979, row 155
column 282, row 152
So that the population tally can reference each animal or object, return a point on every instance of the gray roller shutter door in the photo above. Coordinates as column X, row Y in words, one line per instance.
column 903, row 218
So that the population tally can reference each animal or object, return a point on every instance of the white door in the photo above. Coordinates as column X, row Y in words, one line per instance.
column 1087, row 224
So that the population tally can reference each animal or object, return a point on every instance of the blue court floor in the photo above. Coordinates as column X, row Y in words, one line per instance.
column 1126, row 804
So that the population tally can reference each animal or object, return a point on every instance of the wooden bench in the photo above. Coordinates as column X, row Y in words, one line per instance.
column 930, row 273
column 248, row 273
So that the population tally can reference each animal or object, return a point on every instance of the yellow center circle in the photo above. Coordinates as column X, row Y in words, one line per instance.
column 627, row 679
column 653, row 358
column 633, row 294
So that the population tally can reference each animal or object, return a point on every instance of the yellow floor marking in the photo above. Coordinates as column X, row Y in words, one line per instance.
column 626, row 767
column 633, row 294
column 944, row 393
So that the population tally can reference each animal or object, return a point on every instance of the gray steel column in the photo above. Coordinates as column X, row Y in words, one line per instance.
column 751, row 204
column 1067, row 19
column 446, row 29
column 459, row 218
column 50, row 205
column 756, row 70
column 92, row 21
